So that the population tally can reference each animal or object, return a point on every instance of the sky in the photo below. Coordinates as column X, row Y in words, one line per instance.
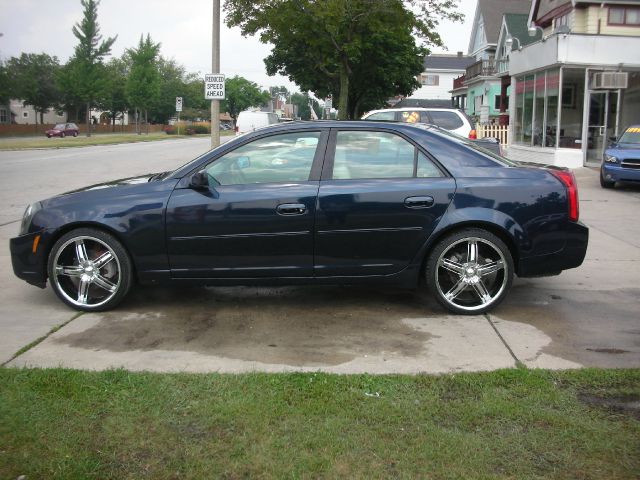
column 183, row 27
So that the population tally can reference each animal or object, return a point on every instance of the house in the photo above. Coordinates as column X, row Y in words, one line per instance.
column 26, row 114
column 480, row 84
column 6, row 115
column 436, row 81
column 513, row 34
column 579, row 85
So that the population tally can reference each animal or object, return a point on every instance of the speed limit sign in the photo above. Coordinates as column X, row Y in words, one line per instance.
column 178, row 104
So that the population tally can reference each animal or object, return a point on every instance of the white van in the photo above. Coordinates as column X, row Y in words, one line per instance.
column 249, row 121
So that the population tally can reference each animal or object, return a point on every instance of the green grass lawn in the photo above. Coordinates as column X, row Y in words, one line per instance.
column 24, row 143
column 506, row 424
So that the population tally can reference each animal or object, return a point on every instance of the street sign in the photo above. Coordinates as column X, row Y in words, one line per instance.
column 214, row 86
column 178, row 104
column 328, row 102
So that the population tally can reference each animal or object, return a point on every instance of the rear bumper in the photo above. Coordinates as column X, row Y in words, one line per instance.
column 613, row 172
column 27, row 265
column 571, row 256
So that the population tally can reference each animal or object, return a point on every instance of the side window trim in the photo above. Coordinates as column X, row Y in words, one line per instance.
column 327, row 168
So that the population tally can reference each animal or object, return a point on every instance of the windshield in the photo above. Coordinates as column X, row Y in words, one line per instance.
column 632, row 135
column 470, row 144
column 59, row 126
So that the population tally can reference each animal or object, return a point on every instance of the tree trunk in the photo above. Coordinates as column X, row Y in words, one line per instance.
column 41, row 118
column 146, row 120
column 87, row 118
column 343, row 102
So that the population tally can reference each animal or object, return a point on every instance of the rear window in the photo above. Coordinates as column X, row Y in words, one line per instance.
column 382, row 116
column 448, row 120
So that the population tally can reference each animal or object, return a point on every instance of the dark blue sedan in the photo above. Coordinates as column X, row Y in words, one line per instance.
column 313, row 203
column 621, row 162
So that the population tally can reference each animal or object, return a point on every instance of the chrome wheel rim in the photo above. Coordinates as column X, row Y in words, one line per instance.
column 471, row 274
column 86, row 271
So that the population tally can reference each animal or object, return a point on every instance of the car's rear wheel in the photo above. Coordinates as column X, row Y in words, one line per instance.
column 90, row 270
column 75, row 134
column 604, row 183
column 470, row 271
column 48, row 135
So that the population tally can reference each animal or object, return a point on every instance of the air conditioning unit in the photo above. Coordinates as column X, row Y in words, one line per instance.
column 610, row 80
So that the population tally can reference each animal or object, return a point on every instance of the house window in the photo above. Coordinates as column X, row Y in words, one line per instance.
column 3, row 115
column 561, row 21
column 25, row 114
column 624, row 16
column 430, row 80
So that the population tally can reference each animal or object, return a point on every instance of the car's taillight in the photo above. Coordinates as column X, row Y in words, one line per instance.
column 473, row 135
column 569, row 181
column 236, row 129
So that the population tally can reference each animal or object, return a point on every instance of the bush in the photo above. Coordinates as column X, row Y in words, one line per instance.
column 200, row 129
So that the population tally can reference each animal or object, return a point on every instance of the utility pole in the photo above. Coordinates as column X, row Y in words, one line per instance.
column 215, row 68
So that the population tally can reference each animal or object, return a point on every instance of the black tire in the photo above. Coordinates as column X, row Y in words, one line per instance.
column 604, row 183
column 48, row 136
column 75, row 134
column 98, row 243
column 62, row 135
column 490, row 251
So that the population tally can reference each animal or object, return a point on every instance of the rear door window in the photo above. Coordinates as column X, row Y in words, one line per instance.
column 446, row 120
column 410, row 116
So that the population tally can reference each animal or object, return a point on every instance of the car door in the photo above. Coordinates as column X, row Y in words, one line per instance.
column 380, row 198
column 256, row 217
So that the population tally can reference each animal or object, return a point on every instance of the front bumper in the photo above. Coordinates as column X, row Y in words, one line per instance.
column 613, row 172
column 27, row 265
column 571, row 256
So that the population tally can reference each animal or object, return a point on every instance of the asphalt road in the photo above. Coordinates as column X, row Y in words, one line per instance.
column 584, row 317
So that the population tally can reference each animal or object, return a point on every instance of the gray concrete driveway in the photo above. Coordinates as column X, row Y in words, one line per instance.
column 585, row 317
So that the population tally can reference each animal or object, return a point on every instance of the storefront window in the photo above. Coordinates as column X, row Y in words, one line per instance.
column 539, row 114
column 551, row 125
column 572, row 108
column 527, row 112
column 518, row 94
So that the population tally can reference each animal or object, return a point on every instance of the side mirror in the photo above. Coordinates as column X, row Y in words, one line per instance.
column 243, row 162
column 199, row 181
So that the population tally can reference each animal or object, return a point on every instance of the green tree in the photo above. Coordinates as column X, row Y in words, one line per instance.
column 241, row 94
column 5, row 86
column 116, row 101
column 143, row 82
column 322, row 45
column 87, row 67
column 304, row 103
column 32, row 79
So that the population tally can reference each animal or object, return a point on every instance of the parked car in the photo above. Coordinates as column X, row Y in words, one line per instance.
column 62, row 130
column 249, row 121
column 621, row 160
column 451, row 119
column 313, row 203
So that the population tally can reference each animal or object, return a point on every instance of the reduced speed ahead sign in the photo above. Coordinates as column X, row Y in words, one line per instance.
column 214, row 86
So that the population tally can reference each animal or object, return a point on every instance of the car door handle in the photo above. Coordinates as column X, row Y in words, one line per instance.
column 418, row 202
column 291, row 209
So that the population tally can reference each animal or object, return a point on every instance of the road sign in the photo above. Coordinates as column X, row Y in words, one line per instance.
column 178, row 104
column 328, row 102
column 214, row 86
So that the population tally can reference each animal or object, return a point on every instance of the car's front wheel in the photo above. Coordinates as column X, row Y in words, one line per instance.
column 470, row 271
column 62, row 135
column 90, row 270
column 604, row 183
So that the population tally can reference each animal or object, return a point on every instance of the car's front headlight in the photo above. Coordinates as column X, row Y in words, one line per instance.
column 28, row 216
column 610, row 158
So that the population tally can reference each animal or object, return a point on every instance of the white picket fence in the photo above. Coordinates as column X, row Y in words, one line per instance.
column 495, row 131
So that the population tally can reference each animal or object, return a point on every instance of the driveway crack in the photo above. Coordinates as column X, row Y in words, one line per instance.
column 37, row 341
column 519, row 363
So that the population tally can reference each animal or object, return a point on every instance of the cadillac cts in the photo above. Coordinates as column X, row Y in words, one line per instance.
column 313, row 203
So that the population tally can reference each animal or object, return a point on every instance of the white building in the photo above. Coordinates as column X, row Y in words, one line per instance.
column 26, row 115
column 579, row 85
column 439, row 72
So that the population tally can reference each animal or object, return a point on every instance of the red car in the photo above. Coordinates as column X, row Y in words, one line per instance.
column 62, row 130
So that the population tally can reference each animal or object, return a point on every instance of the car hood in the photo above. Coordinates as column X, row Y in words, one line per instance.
column 107, row 191
column 631, row 150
